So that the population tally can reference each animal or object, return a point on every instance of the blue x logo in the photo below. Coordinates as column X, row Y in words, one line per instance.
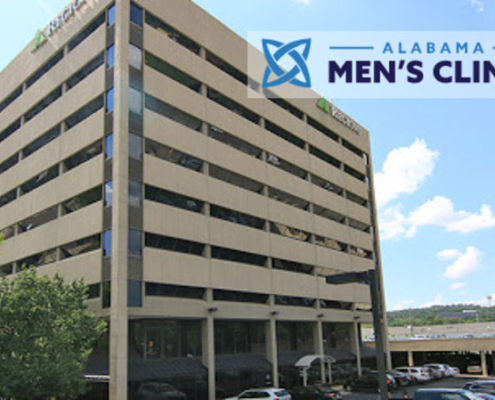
column 299, row 59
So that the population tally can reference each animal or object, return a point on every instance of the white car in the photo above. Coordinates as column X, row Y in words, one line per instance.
column 418, row 373
column 454, row 370
column 263, row 394
column 443, row 368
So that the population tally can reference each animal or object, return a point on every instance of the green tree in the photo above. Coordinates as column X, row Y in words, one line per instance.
column 46, row 337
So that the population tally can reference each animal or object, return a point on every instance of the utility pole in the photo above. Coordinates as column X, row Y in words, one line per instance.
column 411, row 329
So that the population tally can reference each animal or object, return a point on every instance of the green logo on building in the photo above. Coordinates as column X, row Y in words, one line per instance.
column 324, row 105
column 39, row 40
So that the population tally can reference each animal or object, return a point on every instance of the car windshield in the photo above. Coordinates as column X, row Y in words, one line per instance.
column 281, row 393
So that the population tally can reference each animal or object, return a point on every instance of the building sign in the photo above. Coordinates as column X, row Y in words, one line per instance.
column 338, row 115
column 57, row 23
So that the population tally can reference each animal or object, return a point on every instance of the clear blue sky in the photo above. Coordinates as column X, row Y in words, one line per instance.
column 432, row 189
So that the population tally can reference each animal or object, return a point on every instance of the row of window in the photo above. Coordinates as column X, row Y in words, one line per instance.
column 187, row 161
column 69, row 206
column 55, row 59
column 199, row 293
column 53, row 172
column 218, row 134
column 241, row 77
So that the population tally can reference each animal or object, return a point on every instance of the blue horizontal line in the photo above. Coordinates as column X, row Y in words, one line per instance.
column 351, row 48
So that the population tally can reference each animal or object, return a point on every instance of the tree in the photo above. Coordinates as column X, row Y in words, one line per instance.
column 46, row 336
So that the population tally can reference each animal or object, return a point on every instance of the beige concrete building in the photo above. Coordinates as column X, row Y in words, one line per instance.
column 204, row 222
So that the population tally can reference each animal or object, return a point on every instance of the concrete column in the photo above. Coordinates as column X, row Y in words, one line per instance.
column 320, row 347
column 119, row 312
column 484, row 367
column 356, row 349
column 410, row 358
column 493, row 362
column 209, row 353
column 271, row 347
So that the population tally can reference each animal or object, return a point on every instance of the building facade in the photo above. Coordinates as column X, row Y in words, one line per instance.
column 203, row 222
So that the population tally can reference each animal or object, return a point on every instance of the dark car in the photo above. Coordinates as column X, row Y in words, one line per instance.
column 159, row 391
column 366, row 383
column 445, row 394
column 314, row 393
column 481, row 386
column 400, row 378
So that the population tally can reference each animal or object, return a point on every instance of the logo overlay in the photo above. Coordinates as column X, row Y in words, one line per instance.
column 39, row 40
column 282, row 76
column 349, row 64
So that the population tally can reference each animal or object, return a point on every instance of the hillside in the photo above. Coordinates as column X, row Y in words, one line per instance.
column 441, row 315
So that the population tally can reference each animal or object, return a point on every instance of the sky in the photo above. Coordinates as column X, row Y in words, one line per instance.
column 433, row 159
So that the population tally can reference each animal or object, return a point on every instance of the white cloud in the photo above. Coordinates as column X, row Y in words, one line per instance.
column 465, row 264
column 478, row 5
column 437, row 301
column 402, row 304
column 304, row 2
column 403, row 171
column 440, row 212
column 448, row 254
column 458, row 285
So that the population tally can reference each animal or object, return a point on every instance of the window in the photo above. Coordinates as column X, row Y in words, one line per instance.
column 6, row 270
column 111, row 16
column 358, row 251
column 93, row 291
column 39, row 180
column 82, row 200
column 111, row 56
column 173, row 199
column 236, row 217
column 43, row 140
column 7, row 233
column 106, row 297
column 172, row 72
column 135, row 147
column 331, row 187
column 238, row 256
column 356, row 199
column 172, row 33
column 282, row 133
column 325, row 157
column 172, row 113
column 136, row 14
column 8, row 197
column 233, row 141
column 355, row 174
column 360, row 226
column 135, row 194
column 10, row 130
column 93, row 26
column 327, row 132
column 37, row 260
column 174, row 244
column 283, row 104
column 39, row 219
column 81, row 246
column 329, row 214
column 235, row 179
column 108, row 193
column 287, row 198
column 135, row 240
column 349, row 146
column 109, row 146
column 160, row 289
column 135, row 101
column 337, row 305
column 135, row 57
column 9, row 163
column 134, row 294
column 107, row 243
column 287, row 231
column 84, row 112
column 233, row 106
column 109, row 100
column 45, row 68
column 85, row 71
column 84, row 155
column 11, row 98
column 241, row 297
column 294, row 301
column 226, row 67
column 53, row 96
column 286, row 166
column 174, row 156
column 292, row 266
column 330, row 243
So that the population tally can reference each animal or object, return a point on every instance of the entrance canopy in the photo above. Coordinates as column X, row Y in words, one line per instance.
column 306, row 361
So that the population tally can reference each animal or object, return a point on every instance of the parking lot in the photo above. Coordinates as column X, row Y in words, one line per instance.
column 457, row 382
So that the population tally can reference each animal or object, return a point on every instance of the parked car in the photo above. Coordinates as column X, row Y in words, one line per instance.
column 487, row 386
column 444, row 369
column 474, row 369
column 485, row 396
column 263, row 394
column 434, row 373
column 417, row 372
column 316, row 392
column 445, row 394
column 159, row 391
column 401, row 378
column 367, row 383
column 454, row 370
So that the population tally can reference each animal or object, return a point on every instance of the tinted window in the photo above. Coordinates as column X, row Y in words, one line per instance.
column 87, row 32
column 135, row 194
column 174, row 156
column 173, row 199
column 174, row 244
column 84, row 112
column 85, row 71
column 111, row 56
column 136, row 14
column 109, row 146
column 38, row 108
column 45, row 68
column 111, row 16
column 109, row 100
